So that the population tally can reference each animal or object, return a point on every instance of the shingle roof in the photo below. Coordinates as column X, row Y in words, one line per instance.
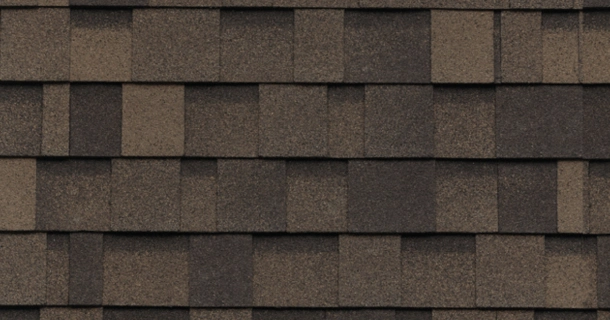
column 304, row 159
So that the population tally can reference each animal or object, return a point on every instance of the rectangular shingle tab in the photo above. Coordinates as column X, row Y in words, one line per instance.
column 146, row 313
column 462, row 46
column 466, row 196
column 464, row 122
column 71, row 313
column 251, row 195
column 399, row 121
column 560, row 36
column 539, row 121
column 527, row 197
column 463, row 315
column 176, row 45
column 565, row 315
column 387, row 46
column 296, row 271
column 603, row 271
column 20, row 119
column 20, row 313
column 317, row 196
column 221, row 120
column 361, row 314
column 95, row 119
column 599, row 184
column 21, row 252
column 521, row 46
column 288, row 314
column 145, row 195
column 220, row 270
column 58, row 270
column 346, row 121
column 17, row 194
column 153, row 120
column 596, row 123
column 73, row 195
column 572, row 196
column 595, row 45
column 35, row 44
column 257, row 45
column 402, row 199
column 318, row 45
column 55, row 120
column 220, row 314
column 438, row 271
column 510, row 271
column 198, row 187
column 369, row 271
column 100, row 45
column 86, row 268
column 571, row 264
column 293, row 121
column 145, row 270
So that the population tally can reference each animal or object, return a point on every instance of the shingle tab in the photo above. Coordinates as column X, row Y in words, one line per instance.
column 100, row 45
column 462, row 46
column 17, row 194
column 221, row 121
column 95, row 119
column 145, row 195
column 515, row 315
column 296, row 271
column 346, row 121
column 287, row 314
column 318, row 45
column 55, row 120
column 23, row 251
column 20, row 314
column 466, row 196
column 317, row 196
column 595, row 45
column 73, row 195
column 58, row 270
column 539, row 121
column 361, row 314
column 527, row 197
column 596, row 123
column 71, row 314
column 560, row 36
column 220, row 270
column 510, row 271
column 571, row 264
column 521, row 46
column 20, row 119
column 369, row 271
column 438, row 271
column 463, row 315
column 109, row 3
column 565, row 315
column 387, row 46
column 464, row 122
column 176, row 44
column 257, row 45
column 146, row 270
column 391, row 196
column 572, row 196
column 198, row 187
column 221, row 314
column 35, row 44
column 603, row 271
column 402, row 314
column 599, row 184
column 86, row 268
column 251, row 195
column 153, row 120
column 146, row 314
column 399, row 121
column 293, row 121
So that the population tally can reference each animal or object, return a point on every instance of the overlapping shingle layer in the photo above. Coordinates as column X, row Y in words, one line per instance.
column 304, row 159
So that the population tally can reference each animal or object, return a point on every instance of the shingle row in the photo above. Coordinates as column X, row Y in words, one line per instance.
column 109, row 313
column 304, row 196
column 247, row 121
column 448, row 4
column 304, row 45
column 323, row 271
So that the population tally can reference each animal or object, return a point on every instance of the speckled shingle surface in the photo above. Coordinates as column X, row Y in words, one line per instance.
column 304, row 159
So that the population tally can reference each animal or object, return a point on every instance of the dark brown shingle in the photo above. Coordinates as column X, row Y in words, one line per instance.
column 20, row 119
column 86, row 269
column 20, row 252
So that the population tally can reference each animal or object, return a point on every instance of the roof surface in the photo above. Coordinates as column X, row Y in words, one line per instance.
column 304, row 159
